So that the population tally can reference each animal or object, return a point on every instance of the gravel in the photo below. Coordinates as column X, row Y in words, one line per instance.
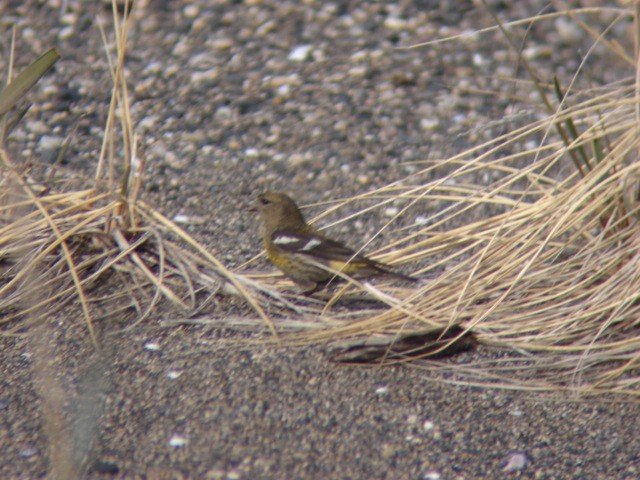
column 322, row 100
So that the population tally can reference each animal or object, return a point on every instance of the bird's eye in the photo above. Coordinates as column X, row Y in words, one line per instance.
column 263, row 200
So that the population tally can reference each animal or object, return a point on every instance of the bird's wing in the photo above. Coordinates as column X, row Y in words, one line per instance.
column 335, row 256
column 314, row 245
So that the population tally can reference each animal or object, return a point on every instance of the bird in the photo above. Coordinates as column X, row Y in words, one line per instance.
column 310, row 259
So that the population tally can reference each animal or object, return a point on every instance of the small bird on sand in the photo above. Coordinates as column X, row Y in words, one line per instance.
column 303, row 254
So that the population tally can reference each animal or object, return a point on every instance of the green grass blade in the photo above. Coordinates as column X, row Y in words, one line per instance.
column 12, row 93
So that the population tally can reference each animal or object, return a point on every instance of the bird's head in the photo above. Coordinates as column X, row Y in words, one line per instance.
column 279, row 212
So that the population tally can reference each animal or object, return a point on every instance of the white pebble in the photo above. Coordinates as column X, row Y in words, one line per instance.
column 49, row 142
column 66, row 33
column 300, row 53
column 69, row 19
column 223, row 112
column 204, row 76
column 478, row 60
column 358, row 72
column 222, row 43
column 363, row 179
column 429, row 123
column 153, row 67
column 152, row 346
column 191, row 11
column 428, row 425
column 181, row 218
column 421, row 220
column 283, row 90
column 382, row 390
column 28, row 452
column 177, row 441
column 395, row 23
column 515, row 461
column 148, row 123
column 37, row 127
column 391, row 211
column 359, row 56
column 531, row 53
column 531, row 144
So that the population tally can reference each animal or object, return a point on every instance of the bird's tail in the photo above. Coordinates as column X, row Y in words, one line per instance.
column 388, row 271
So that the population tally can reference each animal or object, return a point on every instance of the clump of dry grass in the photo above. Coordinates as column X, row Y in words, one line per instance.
column 97, row 246
column 57, row 244
column 553, row 276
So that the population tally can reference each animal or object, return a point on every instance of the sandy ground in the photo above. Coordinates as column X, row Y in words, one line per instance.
column 315, row 98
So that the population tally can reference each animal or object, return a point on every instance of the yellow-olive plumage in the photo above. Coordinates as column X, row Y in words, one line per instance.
column 306, row 256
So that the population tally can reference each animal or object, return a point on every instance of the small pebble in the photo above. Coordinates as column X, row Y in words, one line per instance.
column 515, row 461
column 395, row 23
column 428, row 425
column 429, row 123
column 478, row 60
column 300, row 53
column 382, row 390
column 223, row 112
column 37, row 126
column 391, row 211
column 284, row 90
column 421, row 220
column 222, row 44
column 531, row 144
column 191, row 11
column 66, row 33
column 205, row 76
column 69, row 19
column 27, row 452
column 433, row 475
column 180, row 218
column 363, row 179
column 49, row 142
column 358, row 72
column 177, row 441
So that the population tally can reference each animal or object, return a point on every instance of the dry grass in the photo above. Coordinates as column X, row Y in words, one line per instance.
column 552, row 278
column 96, row 246
column 550, row 273
column 81, row 236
